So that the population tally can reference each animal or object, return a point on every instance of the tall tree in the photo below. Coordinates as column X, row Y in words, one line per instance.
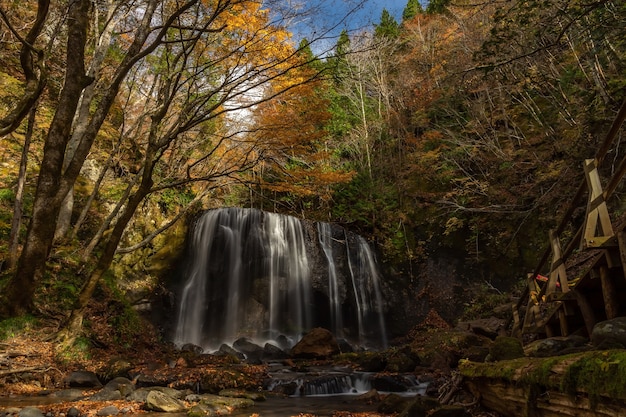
column 412, row 9
column 388, row 26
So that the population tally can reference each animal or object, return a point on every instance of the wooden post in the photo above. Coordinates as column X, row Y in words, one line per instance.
column 532, row 307
column 597, row 213
column 611, row 306
column 563, row 321
column 586, row 310
column 557, row 269
column 621, row 241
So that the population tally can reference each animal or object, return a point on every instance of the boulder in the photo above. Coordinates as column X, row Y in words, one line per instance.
column 317, row 344
column 73, row 412
column 491, row 327
column 124, row 385
column 253, row 352
column 83, row 379
column 114, row 368
column 158, row 401
column 237, row 393
column 553, row 346
column 610, row 333
column 72, row 394
column 273, row 353
column 106, row 394
column 226, row 350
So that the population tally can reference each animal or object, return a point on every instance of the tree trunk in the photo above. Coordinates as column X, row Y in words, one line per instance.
column 31, row 264
column 16, row 222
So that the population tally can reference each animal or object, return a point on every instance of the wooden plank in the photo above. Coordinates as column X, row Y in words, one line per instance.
column 585, row 308
column 597, row 212
column 611, row 306
column 557, row 270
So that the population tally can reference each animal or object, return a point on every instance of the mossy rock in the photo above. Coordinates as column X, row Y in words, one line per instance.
column 506, row 348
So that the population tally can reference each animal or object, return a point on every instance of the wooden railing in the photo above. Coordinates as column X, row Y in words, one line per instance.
column 549, row 301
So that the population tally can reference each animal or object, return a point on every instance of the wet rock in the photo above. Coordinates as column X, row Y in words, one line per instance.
column 226, row 350
column 201, row 410
column 253, row 352
column 68, row 394
column 371, row 396
column 110, row 410
column 372, row 362
column 505, row 348
column 344, row 346
column 106, row 395
column 403, row 360
column 158, row 401
column 317, row 344
column 83, row 379
column 215, row 401
column 610, row 333
column 121, row 384
column 283, row 342
column 236, row 393
column 170, row 392
column 190, row 347
column 273, row 353
column 30, row 412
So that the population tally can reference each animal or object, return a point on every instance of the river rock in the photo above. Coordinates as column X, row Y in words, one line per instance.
column 73, row 412
column 217, row 400
column 610, row 333
column 106, row 394
column 317, row 344
column 30, row 412
column 83, row 379
column 237, row 393
column 114, row 368
column 71, row 394
column 110, row 410
column 190, row 347
column 158, row 401
column 124, row 385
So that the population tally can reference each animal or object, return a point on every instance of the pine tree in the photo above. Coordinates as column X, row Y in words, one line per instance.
column 388, row 26
column 412, row 9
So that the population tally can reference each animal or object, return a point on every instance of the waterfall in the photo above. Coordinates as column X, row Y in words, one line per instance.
column 336, row 319
column 250, row 274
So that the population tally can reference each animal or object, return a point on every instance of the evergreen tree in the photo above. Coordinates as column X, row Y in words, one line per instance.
column 437, row 6
column 388, row 26
column 413, row 8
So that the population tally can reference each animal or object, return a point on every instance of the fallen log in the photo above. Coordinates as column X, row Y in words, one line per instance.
column 589, row 384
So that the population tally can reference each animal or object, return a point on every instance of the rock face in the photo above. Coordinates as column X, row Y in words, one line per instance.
column 316, row 344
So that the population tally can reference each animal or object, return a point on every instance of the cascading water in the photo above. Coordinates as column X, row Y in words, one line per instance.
column 249, row 274
column 336, row 320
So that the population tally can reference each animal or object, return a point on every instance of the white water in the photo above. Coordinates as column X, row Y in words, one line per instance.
column 249, row 275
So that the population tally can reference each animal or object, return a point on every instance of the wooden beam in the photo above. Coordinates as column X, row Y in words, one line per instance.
column 597, row 212
column 557, row 269
column 563, row 321
column 611, row 306
column 621, row 239
column 586, row 310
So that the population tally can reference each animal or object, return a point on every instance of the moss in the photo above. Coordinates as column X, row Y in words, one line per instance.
column 598, row 373
column 13, row 326
column 505, row 348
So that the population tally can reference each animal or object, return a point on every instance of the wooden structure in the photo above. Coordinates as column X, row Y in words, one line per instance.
column 586, row 282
